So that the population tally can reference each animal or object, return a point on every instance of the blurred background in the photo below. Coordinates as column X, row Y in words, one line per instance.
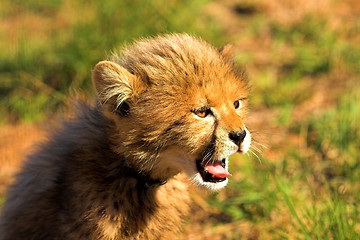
column 302, row 179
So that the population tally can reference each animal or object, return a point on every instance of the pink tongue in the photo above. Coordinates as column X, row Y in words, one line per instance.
column 217, row 170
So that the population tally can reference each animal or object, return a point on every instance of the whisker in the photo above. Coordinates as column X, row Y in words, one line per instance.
column 260, row 144
column 256, row 149
column 207, row 158
column 255, row 155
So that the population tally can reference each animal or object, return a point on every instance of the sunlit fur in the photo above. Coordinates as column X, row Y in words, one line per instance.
column 86, row 182
column 172, row 76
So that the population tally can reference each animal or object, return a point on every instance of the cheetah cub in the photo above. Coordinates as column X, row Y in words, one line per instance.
column 166, row 105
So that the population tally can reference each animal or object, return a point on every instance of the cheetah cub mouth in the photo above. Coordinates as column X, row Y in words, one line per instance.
column 211, row 174
column 213, row 171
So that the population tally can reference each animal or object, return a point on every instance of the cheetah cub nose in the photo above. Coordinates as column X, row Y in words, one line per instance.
column 237, row 137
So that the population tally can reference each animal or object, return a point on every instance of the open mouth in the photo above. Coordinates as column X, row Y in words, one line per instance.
column 213, row 171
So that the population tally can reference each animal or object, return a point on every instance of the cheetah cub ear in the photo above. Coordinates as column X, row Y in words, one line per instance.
column 227, row 52
column 116, row 86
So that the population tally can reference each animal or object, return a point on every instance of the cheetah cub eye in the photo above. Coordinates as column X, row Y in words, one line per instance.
column 238, row 103
column 202, row 112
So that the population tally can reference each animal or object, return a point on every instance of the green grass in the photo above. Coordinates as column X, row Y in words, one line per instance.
column 336, row 134
column 245, row 197
column 60, row 62
column 299, row 51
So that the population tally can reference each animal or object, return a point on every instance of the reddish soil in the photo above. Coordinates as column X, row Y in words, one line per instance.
column 15, row 143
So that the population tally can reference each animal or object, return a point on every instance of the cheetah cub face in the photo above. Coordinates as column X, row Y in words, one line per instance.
column 177, row 105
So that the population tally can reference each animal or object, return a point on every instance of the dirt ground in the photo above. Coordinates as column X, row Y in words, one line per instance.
column 16, row 142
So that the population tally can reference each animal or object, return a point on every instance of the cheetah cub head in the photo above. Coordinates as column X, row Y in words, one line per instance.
column 177, row 104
